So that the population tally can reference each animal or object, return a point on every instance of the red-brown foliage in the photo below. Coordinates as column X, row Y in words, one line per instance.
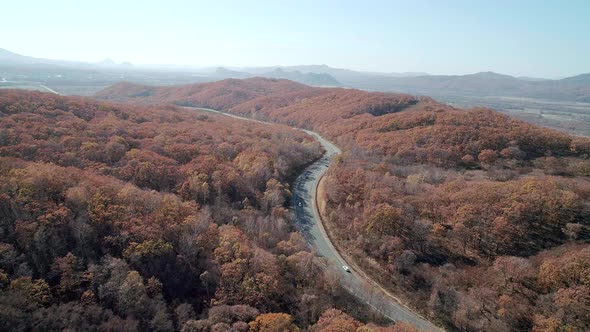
column 430, row 198
column 113, row 217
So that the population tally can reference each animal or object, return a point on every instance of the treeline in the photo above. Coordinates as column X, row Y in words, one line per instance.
column 122, row 218
column 478, row 220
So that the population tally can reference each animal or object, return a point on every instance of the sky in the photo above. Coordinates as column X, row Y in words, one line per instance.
column 519, row 37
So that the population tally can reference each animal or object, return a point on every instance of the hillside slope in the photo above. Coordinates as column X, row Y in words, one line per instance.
column 372, row 120
column 134, row 218
column 427, row 198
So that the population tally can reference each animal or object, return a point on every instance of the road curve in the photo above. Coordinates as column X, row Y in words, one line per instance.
column 309, row 223
column 49, row 89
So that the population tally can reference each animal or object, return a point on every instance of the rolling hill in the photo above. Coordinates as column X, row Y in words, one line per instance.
column 95, row 76
column 427, row 197
column 309, row 78
column 335, row 111
column 576, row 89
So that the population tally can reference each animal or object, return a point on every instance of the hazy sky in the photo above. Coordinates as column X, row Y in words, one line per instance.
column 519, row 37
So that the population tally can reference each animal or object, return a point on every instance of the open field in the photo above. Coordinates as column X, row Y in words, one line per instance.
column 23, row 86
column 571, row 117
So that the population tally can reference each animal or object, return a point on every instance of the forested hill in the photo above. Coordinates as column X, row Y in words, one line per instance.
column 221, row 94
column 155, row 218
column 127, row 218
column 422, row 129
column 428, row 198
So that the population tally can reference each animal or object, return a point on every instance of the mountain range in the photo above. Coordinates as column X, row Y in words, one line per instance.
column 576, row 88
column 11, row 58
column 483, row 84
column 309, row 78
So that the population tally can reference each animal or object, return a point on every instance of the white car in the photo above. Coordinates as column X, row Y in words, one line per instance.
column 299, row 204
column 346, row 268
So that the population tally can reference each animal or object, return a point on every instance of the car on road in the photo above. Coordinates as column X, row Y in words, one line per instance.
column 346, row 268
column 300, row 204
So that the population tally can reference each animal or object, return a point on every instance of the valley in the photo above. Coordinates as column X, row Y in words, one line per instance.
column 571, row 117
column 295, row 166
column 559, row 104
column 401, row 198
column 309, row 222
column 405, row 197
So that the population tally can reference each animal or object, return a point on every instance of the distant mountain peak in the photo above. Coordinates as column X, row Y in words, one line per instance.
column 582, row 78
column 491, row 75
column 11, row 56
column 311, row 78
column 108, row 62
column 6, row 52
column 487, row 73
column 228, row 73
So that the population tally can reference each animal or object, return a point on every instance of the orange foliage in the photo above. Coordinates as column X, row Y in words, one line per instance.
column 273, row 322
column 113, row 215
column 434, row 197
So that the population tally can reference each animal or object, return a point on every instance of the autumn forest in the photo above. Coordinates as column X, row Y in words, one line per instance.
column 133, row 210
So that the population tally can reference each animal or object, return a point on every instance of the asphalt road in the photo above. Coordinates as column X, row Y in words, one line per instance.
column 309, row 224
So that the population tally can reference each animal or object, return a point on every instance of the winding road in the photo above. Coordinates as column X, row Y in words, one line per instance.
column 310, row 225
